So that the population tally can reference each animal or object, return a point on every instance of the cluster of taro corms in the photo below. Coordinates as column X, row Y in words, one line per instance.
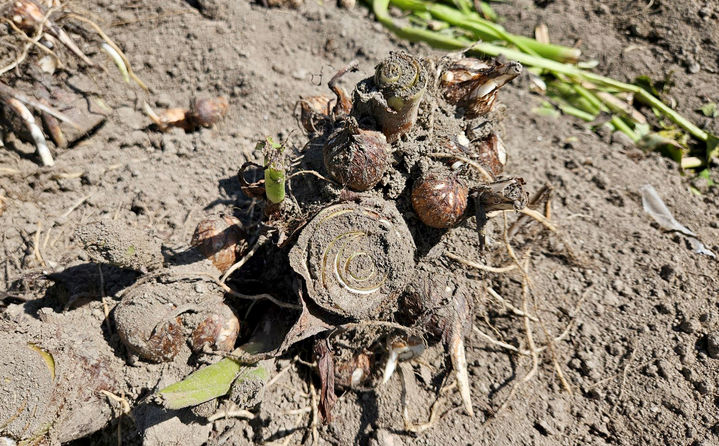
column 387, row 171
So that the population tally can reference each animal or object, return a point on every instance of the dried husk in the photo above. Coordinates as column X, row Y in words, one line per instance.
column 221, row 240
column 472, row 84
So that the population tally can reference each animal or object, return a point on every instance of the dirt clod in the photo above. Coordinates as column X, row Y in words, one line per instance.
column 114, row 243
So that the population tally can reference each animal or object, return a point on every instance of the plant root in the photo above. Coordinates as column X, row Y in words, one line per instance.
column 482, row 171
column 480, row 266
column 237, row 265
column 459, row 363
column 35, row 131
column 8, row 92
column 232, row 411
column 434, row 413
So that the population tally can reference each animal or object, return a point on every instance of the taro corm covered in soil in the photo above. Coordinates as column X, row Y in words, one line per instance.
column 386, row 175
column 347, row 248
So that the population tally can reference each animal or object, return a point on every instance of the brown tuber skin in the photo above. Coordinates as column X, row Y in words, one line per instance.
column 204, row 112
column 218, row 331
column 221, row 240
column 207, row 112
column 439, row 201
column 492, row 154
column 355, row 157
column 156, row 341
column 156, row 319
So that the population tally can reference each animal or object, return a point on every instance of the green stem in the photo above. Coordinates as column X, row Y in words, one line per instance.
column 623, row 127
column 569, row 70
column 567, row 92
column 487, row 11
column 482, row 29
column 275, row 185
column 487, row 30
column 590, row 97
column 577, row 113
column 274, row 171
column 379, row 7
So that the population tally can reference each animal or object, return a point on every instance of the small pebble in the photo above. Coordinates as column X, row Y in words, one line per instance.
column 713, row 344
column 689, row 325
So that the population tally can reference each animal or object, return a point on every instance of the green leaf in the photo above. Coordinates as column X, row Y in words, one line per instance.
column 709, row 110
column 210, row 382
column 706, row 174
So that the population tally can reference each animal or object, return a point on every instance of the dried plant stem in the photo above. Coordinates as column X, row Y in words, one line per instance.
column 35, row 131
column 300, row 411
column 545, row 192
column 315, row 413
column 277, row 377
column 480, row 266
column 9, row 92
column 528, row 329
column 369, row 323
column 227, row 289
column 482, row 171
column 262, row 296
column 459, row 363
column 114, row 46
column 526, row 284
column 434, row 412
column 75, row 205
column 344, row 103
column 33, row 42
column 310, row 172
column 625, row 372
column 501, row 344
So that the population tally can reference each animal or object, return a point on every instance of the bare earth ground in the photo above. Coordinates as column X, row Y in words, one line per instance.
column 636, row 358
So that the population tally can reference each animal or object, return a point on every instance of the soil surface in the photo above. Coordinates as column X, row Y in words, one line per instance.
column 641, row 356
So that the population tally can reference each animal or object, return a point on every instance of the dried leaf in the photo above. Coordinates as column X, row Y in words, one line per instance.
column 655, row 207
column 46, row 356
column 326, row 366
